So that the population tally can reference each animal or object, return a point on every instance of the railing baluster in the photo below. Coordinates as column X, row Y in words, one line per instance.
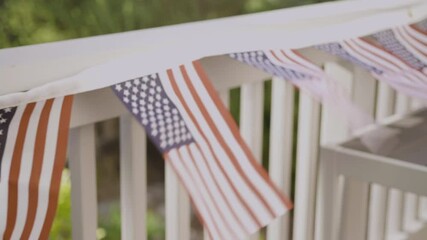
column 280, row 164
column 395, row 207
column 251, row 119
column 422, row 208
column 251, row 116
column 83, row 182
column 177, row 208
column 378, row 193
column 334, row 128
column 133, row 178
column 306, row 167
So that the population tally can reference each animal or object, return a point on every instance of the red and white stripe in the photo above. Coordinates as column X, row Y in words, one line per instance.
column 230, row 190
column 33, row 160
column 395, row 71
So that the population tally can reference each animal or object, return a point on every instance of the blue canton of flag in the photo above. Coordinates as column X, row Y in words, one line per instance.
column 6, row 116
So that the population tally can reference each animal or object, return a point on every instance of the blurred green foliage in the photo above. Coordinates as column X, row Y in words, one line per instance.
column 109, row 224
column 25, row 22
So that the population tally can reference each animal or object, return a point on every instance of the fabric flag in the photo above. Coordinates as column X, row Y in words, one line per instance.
column 33, row 140
column 409, row 43
column 308, row 77
column 396, row 56
column 183, row 115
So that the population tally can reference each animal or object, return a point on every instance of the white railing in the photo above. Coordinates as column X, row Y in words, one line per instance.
column 363, row 210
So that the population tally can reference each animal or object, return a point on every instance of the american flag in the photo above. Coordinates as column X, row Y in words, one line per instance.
column 33, row 140
column 292, row 66
column 399, row 72
column 186, row 120
column 408, row 42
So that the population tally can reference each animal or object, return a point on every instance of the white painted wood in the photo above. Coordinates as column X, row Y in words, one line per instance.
column 422, row 209
column 281, row 136
column 334, row 125
column 225, row 97
column 251, row 116
column 334, row 128
column 327, row 201
column 385, row 101
column 83, row 182
column 395, row 207
column 352, row 203
column 75, row 60
column 306, row 167
column 95, row 106
column 177, row 208
column 378, row 194
column 251, row 120
column 133, row 179
column 411, row 222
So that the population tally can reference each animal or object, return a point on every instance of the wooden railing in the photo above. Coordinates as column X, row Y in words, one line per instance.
column 363, row 210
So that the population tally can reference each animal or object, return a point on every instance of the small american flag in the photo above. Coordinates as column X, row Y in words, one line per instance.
column 33, row 140
column 308, row 77
column 185, row 118
column 383, row 64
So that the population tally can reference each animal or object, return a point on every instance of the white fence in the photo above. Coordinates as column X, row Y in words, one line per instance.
column 364, row 211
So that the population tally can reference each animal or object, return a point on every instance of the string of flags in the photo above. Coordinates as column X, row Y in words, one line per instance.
column 186, row 120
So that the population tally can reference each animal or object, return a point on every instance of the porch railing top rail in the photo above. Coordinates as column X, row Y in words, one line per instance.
column 91, row 63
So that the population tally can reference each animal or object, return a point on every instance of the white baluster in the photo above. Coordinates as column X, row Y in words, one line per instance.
column 306, row 166
column 83, row 182
column 178, row 216
column 281, row 142
column 334, row 128
column 251, row 119
column 378, row 193
column 133, row 178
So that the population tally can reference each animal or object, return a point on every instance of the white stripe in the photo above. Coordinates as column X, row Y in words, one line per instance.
column 245, row 191
column 176, row 162
column 47, row 167
column 27, row 159
column 203, row 190
column 5, row 170
column 230, row 194
column 260, row 184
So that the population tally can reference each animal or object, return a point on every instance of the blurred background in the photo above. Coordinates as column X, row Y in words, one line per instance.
column 24, row 22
